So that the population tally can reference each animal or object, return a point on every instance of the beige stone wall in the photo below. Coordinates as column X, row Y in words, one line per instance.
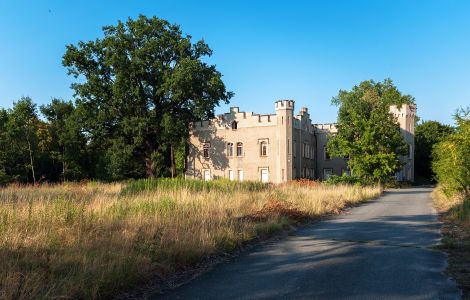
column 406, row 117
column 325, row 165
column 252, row 129
column 303, row 140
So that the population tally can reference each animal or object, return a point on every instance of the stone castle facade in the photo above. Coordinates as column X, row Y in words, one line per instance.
column 276, row 147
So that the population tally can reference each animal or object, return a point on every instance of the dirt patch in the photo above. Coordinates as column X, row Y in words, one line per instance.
column 277, row 208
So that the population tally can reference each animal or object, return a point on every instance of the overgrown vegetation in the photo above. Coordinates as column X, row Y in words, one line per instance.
column 428, row 134
column 93, row 240
column 455, row 213
column 451, row 163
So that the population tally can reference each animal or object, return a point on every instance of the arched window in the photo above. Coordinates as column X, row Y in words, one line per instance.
column 239, row 149
column 263, row 150
column 230, row 149
column 234, row 125
column 205, row 150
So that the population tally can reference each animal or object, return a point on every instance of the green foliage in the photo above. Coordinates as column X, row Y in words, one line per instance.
column 368, row 134
column 19, row 141
column 451, row 157
column 427, row 134
column 139, row 87
column 66, row 143
column 150, row 184
column 345, row 179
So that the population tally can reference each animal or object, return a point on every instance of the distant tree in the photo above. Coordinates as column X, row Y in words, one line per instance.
column 140, row 86
column 451, row 157
column 21, row 139
column 427, row 134
column 368, row 134
column 4, row 158
column 66, row 144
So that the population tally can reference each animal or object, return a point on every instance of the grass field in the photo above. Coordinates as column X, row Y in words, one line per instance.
column 93, row 240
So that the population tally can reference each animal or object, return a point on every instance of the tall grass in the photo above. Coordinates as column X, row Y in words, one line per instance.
column 93, row 240
column 455, row 209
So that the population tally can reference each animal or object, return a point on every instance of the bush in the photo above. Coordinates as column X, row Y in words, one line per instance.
column 194, row 185
column 451, row 158
column 345, row 179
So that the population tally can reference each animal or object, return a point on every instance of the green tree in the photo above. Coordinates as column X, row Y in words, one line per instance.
column 140, row 86
column 427, row 134
column 4, row 158
column 66, row 145
column 451, row 157
column 368, row 134
column 21, row 139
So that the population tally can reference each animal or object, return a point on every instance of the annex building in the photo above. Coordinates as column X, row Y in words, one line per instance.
column 275, row 147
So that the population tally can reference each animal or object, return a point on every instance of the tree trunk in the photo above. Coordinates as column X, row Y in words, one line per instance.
column 172, row 161
column 31, row 161
column 63, row 166
column 149, row 167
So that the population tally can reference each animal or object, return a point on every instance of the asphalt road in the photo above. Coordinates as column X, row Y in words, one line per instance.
column 380, row 250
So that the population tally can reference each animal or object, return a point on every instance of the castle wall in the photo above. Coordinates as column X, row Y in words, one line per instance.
column 406, row 117
column 295, row 148
column 327, row 165
column 251, row 130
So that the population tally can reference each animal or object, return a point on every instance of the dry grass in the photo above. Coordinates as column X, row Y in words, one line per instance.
column 455, row 213
column 92, row 240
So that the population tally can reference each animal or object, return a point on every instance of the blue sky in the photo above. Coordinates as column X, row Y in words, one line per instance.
column 266, row 50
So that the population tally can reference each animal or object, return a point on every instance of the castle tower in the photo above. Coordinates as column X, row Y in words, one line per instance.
column 285, row 115
column 406, row 117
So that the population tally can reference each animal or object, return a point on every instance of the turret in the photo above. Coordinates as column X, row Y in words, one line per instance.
column 285, row 115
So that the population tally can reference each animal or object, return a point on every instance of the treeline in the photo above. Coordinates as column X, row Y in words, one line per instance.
column 49, row 143
column 137, row 89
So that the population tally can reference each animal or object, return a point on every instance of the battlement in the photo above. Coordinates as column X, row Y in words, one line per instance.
column 406, row 110
column 284, row 104
column 325, row 128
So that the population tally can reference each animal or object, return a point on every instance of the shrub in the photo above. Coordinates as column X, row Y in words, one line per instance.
column 195, row 185
column 345, row 179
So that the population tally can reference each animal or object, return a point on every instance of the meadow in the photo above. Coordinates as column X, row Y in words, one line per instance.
column 94, row 240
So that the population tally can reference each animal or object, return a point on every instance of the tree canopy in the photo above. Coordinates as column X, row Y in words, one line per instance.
column 139, row 87
column 368, row 134
column 427, row 134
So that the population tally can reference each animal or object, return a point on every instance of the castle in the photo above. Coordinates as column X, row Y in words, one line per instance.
column 276, row 147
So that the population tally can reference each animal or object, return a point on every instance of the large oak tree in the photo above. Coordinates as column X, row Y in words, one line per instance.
column 138, row 88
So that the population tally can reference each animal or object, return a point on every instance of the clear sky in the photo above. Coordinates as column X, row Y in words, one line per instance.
column 266, row 50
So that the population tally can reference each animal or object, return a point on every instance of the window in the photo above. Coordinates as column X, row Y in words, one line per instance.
column 205, row 150
column 239, row 149
column 410, row 151
column 305, row 150
column 206, row 175
column 264, row 174
column 294, row 150
column 230, row 174
column 240, row 175
column 327, row 173
column 325, row 153
column 264, row 149
column 229, row 149
column 234, row 125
